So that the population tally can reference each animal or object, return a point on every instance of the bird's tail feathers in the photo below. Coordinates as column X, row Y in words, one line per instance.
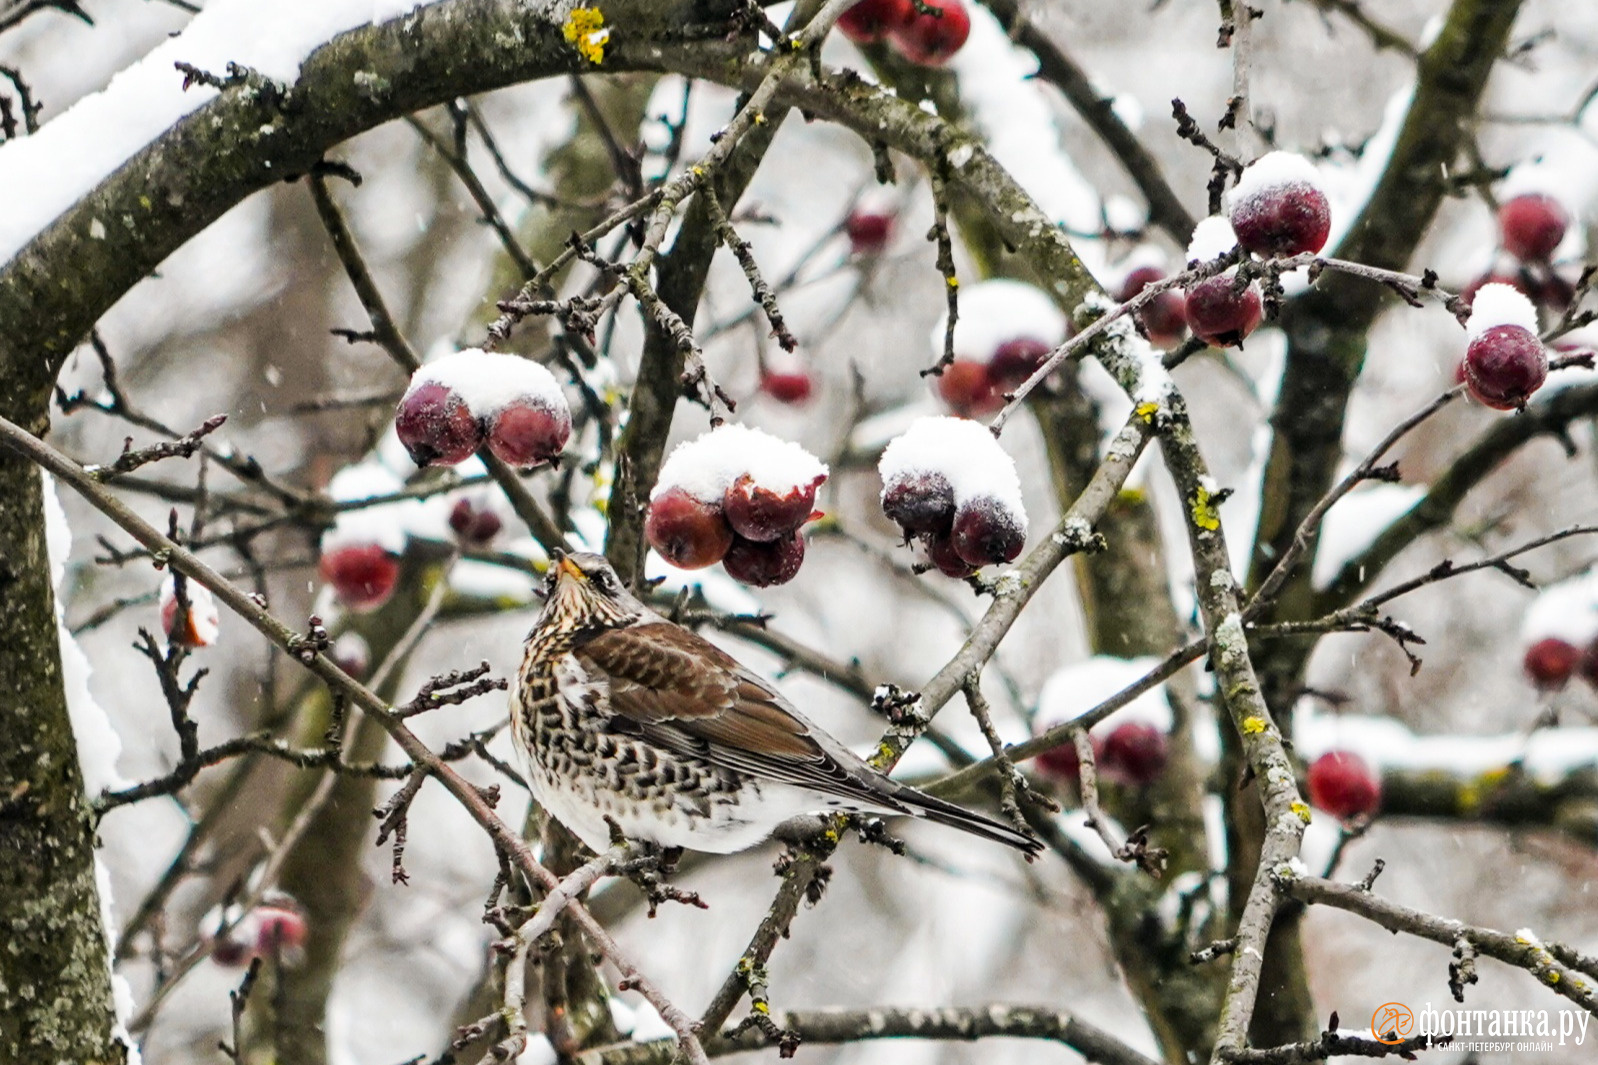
column 937, row 810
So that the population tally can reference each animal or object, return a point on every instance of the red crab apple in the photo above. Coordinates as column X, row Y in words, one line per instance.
column 282, row 930
column 1283, row 220
column 756, row 512
column 436, row 426
column 1550, row 662
column 791, row 388
column 868, row 231
column 362, row 575
column 1135, row 753
column 1531, row 226
column 1504, row 365
column 967, row 387
column 943, row 556
column 527, row 432
column 199, row 625
column 987, row 532
column 871, row 20
column 1343, row 785
column 1016, row 360
column 474, row 524
column 688, row 532
column 1062, row 763
column 920, row 502
column 763, row 564
column 932, row 40
column 1162, row 317
column 1220, row 316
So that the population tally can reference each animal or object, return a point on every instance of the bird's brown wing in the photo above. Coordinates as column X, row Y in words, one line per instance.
column 681, row 691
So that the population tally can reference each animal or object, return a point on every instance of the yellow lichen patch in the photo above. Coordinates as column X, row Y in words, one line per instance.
column 1146, row 411
column 1553, row 978
column 585, row 29
column 1253, row 726
column 954, row 282
column 1302, row 810
column 1205, row 515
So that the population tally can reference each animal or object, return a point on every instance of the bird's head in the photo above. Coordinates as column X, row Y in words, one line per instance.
column 585, row 592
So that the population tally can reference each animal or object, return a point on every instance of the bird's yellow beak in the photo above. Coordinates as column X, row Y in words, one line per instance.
column 570, row 569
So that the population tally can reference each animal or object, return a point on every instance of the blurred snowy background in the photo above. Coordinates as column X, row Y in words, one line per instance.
column 238, row 322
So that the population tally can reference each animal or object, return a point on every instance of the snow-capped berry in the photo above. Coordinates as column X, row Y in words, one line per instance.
column 200, row 627
column 987, row 532
column 757, row 512
column 967, row 387
column 1550, row 662
column 1344, row 786
column 920, row 502
column 931, row 40
column 351, row 653
column 937, row 468
column 528, row 432
column 436, row 426
column 871, row 20
column 1531, row 226
column 1016, row 360
column 868, row 231
column 1504, row 362
column 475, row 522
column 792, row 388
column 281, row 929
column 1218, row 314
column 687, row 531
column 943, row 556
column 1162, row 317
column 1494, row 277
column 1134, row 753
column 765, row 563
column 361, row 575
column 1278, row 207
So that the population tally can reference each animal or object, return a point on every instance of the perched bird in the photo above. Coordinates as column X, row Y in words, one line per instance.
column 622, row 716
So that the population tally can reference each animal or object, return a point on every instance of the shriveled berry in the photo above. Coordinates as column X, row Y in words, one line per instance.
column 436, row 426
column 763, row 564
column 967, row 387
column 1343, row 785
column 868, row 231
column 932, row 40
column 1220, row 316
column 1162, row 317
column 756, row 512
column 792, row 388
column 1283, row 220
column 1135, row 753
column 987, row 532
column 920, row 503
column 688, row 532
column 527, row 432
column 1531, row 226
column 1504, row 365
column 1016, row 360
column 870, row 20
column 362, row 575
column 943, row 556
column 474, row 523
column 1550, row 662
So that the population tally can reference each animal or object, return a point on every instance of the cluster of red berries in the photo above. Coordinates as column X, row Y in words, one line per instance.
column 464, row 401
column 1276, row 210
column 1343, row 785
column 1504, row 361
column 1530, row 228
column 947, row 483
column 276, row 930
column 1005, row 331
column 1133, row 754
column 928, row 38
column 737, row 496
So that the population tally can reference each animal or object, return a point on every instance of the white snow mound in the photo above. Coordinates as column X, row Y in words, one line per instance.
column 1274, row 170
column 706, row 466
column 488, row 381
column 964, row 452
column 1497, row 304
